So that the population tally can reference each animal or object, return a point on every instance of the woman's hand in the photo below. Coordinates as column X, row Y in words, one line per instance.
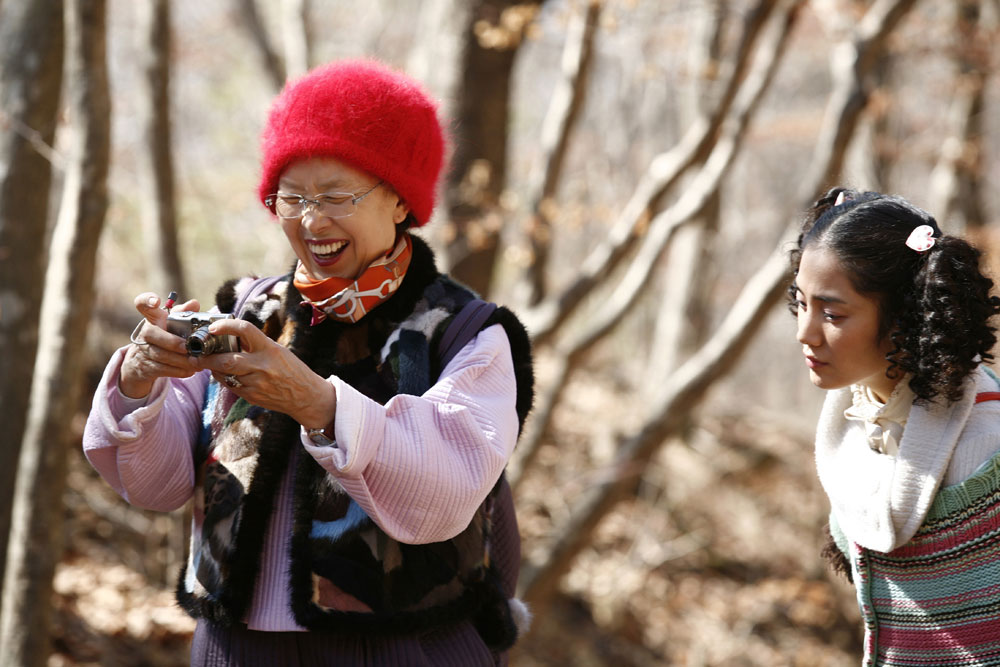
column 270, row 376
column 163, row 355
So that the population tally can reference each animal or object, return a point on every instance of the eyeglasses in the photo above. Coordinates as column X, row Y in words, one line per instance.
column 289, row 206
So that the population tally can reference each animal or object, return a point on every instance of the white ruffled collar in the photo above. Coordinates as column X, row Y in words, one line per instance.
column 884, row 422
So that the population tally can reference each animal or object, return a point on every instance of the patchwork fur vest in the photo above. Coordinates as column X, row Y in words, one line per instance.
column 336, row 549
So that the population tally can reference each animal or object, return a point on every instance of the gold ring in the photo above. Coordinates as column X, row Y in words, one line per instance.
column 232, row 381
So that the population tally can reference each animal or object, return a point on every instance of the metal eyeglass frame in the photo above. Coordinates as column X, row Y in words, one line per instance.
column 271, row 201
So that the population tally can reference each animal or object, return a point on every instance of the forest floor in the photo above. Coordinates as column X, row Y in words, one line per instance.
column 714, row 561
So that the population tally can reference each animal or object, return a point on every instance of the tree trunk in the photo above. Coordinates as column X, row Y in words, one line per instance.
column 296, row 37
column 159, row 214
column 684, row 389
column 273, row 64
column 682, row 320
column 31, row 51
column 478, row 168
column 956, row 182
column 35, row 544
column 662, row 176
column 561, row 119
column 693, row 202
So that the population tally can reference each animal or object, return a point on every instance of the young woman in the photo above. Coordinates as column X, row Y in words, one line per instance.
column 894, row 319
column 346, row 477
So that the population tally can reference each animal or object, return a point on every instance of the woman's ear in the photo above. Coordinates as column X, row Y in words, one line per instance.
column 401, row 211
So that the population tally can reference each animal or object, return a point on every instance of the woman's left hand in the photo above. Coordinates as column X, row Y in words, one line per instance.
column 270, row 376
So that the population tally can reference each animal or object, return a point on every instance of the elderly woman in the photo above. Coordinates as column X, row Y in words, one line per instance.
column 349, row 505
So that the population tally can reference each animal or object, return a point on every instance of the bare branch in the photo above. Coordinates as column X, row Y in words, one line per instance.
column 694, row 200
column 664, row 172
column 685, row 388
column 683, row 391
column 560, row 121
column 956, row 178
column 296, row 37
column 258, row 32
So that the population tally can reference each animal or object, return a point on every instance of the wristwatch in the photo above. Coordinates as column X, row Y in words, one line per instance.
column 322, row 437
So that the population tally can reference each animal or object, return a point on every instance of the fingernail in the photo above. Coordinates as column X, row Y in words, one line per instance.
column 151, row 301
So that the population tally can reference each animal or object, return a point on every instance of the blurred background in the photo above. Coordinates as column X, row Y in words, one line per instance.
column 625, row 174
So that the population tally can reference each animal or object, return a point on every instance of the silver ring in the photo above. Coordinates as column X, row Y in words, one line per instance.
column 232, row 381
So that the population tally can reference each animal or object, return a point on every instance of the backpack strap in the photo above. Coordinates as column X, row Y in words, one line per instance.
column 259, row 286
column 463, row 328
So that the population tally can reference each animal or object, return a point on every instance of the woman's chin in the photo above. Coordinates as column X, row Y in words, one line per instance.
column 825, row 383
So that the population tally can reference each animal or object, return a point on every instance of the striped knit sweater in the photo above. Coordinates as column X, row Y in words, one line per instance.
column 928, row 596
column 935, row 601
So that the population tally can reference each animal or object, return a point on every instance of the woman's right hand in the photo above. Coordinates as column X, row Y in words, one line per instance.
column 164, row 355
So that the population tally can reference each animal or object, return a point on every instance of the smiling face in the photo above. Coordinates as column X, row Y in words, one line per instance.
column 340, row 247
column 839, row 327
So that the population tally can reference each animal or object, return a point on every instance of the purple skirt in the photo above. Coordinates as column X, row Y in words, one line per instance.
column 457, row 646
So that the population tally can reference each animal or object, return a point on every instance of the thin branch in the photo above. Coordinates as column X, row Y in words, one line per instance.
column 560, row 121
column 685, row 388
column 694, row 200
column 272, row 61
column 663, row 173
column 296, row 37
column 683, row 391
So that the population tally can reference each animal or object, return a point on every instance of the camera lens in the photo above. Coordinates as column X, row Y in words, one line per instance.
column 201, row 342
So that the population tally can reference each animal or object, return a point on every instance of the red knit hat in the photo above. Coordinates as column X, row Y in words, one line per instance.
column 369, row 116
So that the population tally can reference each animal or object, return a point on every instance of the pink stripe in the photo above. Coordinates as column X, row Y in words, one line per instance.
column 982, row 634
column 975, row 525
column 919, row 572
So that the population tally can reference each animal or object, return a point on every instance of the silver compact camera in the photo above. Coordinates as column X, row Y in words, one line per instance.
column 193, row 328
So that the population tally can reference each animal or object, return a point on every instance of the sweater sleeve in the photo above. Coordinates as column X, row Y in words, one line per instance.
column 144, row 451
column 420, row 466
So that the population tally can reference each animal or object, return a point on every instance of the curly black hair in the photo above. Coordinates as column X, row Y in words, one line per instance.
column 935, row 306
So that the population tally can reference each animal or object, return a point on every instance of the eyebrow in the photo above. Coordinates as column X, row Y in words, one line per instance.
column 822, row 297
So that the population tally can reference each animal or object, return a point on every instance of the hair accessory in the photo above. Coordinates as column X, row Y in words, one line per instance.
column 921, row 238
column 362, row 113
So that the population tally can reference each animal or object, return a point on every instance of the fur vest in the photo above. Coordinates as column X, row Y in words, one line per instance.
column 337, row 552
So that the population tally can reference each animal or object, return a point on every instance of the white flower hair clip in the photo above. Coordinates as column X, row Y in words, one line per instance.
column 921, row 238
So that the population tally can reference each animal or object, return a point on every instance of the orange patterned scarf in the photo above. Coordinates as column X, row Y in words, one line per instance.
column 350, row 300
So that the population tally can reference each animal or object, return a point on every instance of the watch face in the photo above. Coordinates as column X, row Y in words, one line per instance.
column 319, row 438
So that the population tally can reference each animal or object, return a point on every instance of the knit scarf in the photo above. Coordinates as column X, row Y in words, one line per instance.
column 349, row 300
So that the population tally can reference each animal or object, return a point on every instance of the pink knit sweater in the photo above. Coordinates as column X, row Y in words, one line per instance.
column 418, row 465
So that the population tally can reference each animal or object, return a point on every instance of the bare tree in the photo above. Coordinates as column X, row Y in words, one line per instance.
column 157, row 195
column 557, row 129
column 852, row 62
column 31, row 51
column 36, row 544
column 682, row 319
column 568, row 350
column 296, row 37
column 956, row 182
column 492, row 35
column 273, row 64
column 664, row 172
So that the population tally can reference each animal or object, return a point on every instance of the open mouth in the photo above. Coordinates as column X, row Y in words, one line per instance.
column 327, row 252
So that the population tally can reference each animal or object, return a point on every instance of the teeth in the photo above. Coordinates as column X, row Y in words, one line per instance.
column 328, row 248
